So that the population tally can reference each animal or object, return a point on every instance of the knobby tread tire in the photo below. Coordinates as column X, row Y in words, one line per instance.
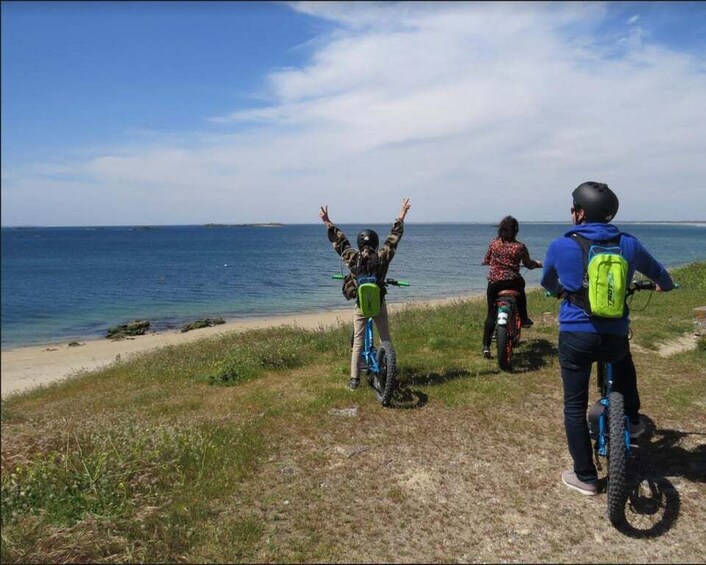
column 617, row 459
column 387, row 379
column 504, row 348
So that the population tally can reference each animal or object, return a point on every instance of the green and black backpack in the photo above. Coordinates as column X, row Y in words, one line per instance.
column 369, row 293
column 605, row 278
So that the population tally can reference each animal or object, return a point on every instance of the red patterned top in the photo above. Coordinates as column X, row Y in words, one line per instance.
column 504, row 258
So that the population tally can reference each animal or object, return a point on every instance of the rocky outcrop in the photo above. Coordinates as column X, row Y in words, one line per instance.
column 138, row 327
column 206, row 323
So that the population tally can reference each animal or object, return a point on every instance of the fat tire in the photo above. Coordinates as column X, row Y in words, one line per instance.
column 386, row 380
column 617, row 459
column 504, row 343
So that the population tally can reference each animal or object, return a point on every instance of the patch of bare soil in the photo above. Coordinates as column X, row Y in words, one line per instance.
column 686, row 342
column 472, row 484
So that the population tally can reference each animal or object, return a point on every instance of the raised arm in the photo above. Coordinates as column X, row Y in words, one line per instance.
column 339, row 240
column 323, row 214
column 405, row 208
column 390, row 246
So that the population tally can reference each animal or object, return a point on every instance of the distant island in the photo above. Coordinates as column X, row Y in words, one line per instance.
column 263, row 225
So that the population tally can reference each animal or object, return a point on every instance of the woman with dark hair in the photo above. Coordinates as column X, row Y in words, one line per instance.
column 504, row 256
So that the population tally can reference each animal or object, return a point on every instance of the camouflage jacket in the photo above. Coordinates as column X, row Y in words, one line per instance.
column 352, row 257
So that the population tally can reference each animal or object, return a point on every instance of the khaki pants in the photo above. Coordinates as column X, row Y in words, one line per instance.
column 383, row 331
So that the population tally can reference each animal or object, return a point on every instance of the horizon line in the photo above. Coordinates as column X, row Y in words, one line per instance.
column 283, row 224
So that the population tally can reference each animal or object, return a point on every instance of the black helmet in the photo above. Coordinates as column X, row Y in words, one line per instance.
column 368, row 237
column 597, row 200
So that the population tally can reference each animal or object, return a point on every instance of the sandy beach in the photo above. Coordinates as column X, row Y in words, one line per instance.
column 25, row 368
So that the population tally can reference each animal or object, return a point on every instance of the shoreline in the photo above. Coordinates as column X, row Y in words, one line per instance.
column 27, row 367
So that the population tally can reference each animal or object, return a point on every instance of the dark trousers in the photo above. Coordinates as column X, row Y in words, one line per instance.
column 625, row 382
column 577, row 352
column 493, row 290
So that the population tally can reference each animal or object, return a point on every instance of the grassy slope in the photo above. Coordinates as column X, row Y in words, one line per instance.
column 237, row 449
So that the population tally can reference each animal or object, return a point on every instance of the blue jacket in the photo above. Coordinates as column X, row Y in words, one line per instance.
column 563, row 268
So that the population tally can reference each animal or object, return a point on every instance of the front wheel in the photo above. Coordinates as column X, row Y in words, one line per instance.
column 386, row 380
column 504, row 342
column 617, row 459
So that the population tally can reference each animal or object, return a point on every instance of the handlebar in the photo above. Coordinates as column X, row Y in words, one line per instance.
column 637, row 286
column 393, row 282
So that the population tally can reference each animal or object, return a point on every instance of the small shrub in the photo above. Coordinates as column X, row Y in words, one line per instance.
column 234, row 369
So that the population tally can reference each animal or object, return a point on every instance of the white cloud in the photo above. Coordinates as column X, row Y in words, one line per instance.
column 474, row 110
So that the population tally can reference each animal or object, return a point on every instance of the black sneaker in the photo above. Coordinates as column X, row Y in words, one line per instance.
column 486, row 352
column 353, row 383
column 527, row 323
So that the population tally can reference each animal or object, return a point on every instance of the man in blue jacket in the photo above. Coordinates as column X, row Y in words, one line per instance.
column 585, row 339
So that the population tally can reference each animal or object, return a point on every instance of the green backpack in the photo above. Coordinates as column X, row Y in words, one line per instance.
column 605, row 278
column 369, row 296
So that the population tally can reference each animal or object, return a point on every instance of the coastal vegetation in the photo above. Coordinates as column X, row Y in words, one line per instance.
column 247, row 447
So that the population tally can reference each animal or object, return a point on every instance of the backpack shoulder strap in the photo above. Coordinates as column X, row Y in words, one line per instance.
column 584, row 244
column 580, row 297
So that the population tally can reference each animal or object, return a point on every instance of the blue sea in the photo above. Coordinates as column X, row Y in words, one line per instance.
column 62, row 284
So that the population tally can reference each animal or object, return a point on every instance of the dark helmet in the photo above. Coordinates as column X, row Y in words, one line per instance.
column 597, row 200
column 368, row 237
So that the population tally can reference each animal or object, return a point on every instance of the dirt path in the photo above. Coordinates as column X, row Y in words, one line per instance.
column 686, row 342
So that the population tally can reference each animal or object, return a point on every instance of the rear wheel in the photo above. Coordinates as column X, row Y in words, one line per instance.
column 617, row 459
column 385, row 381
column 504, row 342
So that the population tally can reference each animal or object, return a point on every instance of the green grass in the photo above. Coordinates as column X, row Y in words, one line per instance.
column 188, row 453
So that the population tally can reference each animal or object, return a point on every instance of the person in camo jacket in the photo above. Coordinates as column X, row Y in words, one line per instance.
column 368, row 259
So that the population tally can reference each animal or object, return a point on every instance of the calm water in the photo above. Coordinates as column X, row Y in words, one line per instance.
column 72, row 283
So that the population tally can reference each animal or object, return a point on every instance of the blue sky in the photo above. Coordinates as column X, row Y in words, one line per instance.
column 193, row 112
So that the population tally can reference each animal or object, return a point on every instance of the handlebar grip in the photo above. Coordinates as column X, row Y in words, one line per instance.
column 643, row 285
column 394, row 282
column 338, row 277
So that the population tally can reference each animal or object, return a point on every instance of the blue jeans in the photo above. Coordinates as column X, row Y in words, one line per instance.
column 577, row 352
